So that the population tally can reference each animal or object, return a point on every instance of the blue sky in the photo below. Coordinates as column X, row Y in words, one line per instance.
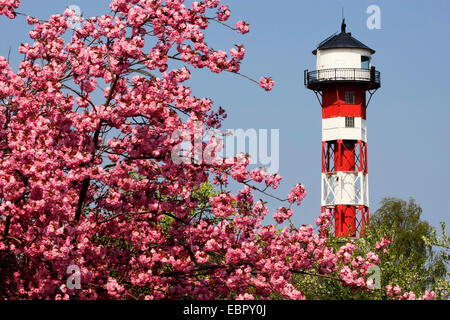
column 408, row 119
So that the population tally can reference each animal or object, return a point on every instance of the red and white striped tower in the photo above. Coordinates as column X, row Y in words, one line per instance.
column 341, row 81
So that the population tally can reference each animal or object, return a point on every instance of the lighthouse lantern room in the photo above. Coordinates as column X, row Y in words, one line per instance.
column 344, row 82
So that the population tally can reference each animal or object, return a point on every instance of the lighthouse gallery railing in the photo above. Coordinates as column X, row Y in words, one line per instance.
column 342, row 74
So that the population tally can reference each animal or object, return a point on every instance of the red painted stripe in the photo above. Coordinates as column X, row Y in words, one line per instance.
column 333, row 111
column 333, row 102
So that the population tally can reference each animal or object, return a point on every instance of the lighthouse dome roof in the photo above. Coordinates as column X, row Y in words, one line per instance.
column 342, row 40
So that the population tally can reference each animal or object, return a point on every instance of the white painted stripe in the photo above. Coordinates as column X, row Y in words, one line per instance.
column 334, row 129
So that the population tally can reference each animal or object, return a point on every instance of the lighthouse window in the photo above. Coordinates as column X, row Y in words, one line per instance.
column 365, row 61
column 349, row 122
column 349, row 97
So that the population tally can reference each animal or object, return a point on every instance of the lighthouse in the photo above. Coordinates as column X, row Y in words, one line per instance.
column 344, row 82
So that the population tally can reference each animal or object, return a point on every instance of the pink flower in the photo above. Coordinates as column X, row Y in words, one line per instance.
column 297, row 194
column 7, row 7
column 222, row 205
column 282, row 214
column 32, row 20
column 212, row 3
column 201, row 257
column 68, row 13
column 89, row 86
column 223, row 13
column 257, row 175
column 429, row 295
column 266, row 83
column 242, row 27
column 372, row 257
column 324, row 218
column 238, row 53
column 396, row 290
column 272, row 180
column 114, row 289
column 345, row 252
column 245, row 296
column 389, row 290
column 240, row 173
column 382, row 244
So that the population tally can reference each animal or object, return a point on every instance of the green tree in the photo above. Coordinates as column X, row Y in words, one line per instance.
column 401, row 220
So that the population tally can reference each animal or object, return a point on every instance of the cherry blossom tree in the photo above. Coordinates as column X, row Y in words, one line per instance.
column 88, row 126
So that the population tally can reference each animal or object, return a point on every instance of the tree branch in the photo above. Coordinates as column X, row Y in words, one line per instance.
column 87, row 181
column 316, row 275
column 263, row 192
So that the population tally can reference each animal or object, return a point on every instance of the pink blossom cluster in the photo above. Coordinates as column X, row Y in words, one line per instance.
column 297, row 194
column 345, row 252
column 383, row 244
column 355, row 272
column 222, row 205
column 7, row 7
column 324, row 218
column 223, row 13
column 238, row 53
column 266, row 83
column 242, row 27
column 241, row 174
column 396, row 293
column 351, row 277
column 282, row 214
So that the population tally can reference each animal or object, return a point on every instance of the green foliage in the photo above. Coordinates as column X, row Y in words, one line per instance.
column 401, row 220
column 404, row 225
column 443, row 241
column 202, row 194
column 442, row 285
column 203, row 207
